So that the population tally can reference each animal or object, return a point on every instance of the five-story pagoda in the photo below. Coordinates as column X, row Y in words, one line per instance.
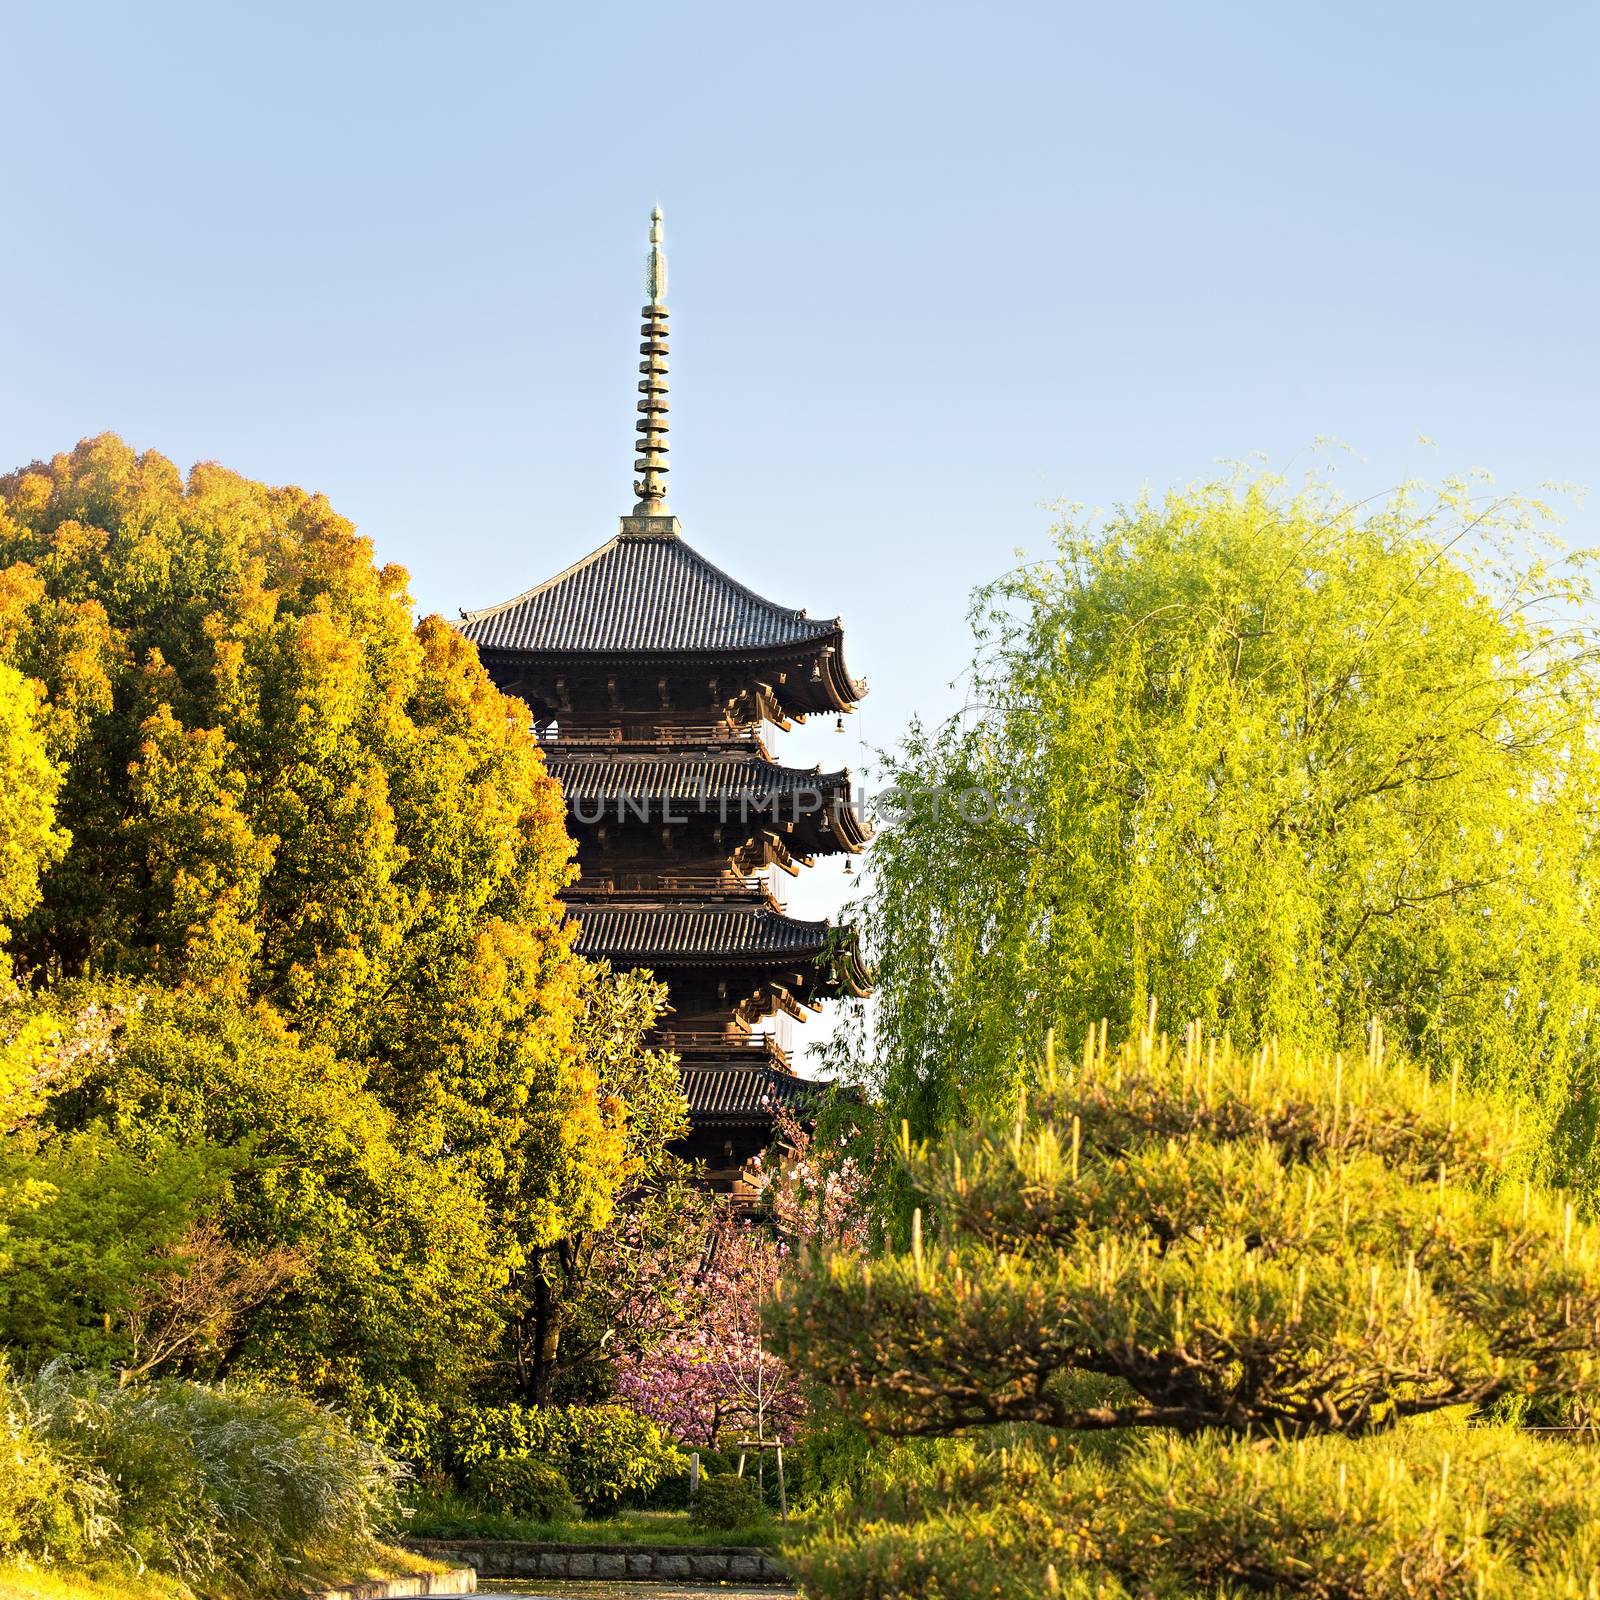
column 650, row 674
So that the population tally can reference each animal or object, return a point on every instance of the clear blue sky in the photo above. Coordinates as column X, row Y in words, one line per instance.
column 933, row 268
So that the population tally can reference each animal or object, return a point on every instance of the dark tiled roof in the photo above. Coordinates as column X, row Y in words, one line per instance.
column 734, row 777
column 695, row 934
column 651, row 594
column 744, row 1091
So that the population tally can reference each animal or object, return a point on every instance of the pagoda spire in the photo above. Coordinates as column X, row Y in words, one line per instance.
column 651, row 459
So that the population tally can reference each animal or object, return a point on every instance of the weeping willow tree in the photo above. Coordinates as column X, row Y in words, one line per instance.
column 1280, row 763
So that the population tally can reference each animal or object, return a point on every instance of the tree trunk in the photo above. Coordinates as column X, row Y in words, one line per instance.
column 541, row 1347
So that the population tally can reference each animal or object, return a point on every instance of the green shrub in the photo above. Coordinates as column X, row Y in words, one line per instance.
column 607, row 1454
column 671, row 1492
column 409, row 1428
column 524, row 1486
column 1429, row 1512
column 726, row 1501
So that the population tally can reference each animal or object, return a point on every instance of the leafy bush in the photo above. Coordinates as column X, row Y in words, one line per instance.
column 607, row 1454
column 726, row 1501
column 409, row 1427
column 524, row 1486
column 219, row 1487
column 672, row 1492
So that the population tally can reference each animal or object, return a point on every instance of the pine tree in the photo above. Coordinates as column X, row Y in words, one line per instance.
column 1255, row 1277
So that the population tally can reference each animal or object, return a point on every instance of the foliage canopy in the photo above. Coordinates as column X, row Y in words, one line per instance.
column 279, row 869
column 1197, row 1239
column 29, row 783
column 1283, row 764
column 280, row 789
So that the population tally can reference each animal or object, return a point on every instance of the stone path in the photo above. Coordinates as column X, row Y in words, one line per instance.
column 529, row 1565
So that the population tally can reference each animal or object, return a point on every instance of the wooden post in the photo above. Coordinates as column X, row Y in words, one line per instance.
column 783, row 1497
column 694, row 1475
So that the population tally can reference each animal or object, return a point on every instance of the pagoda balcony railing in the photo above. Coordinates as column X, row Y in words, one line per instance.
column 666, row 881
column 721, row 1041
column 556, row 737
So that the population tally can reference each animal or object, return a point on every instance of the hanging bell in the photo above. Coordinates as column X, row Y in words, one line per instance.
column 838, row 724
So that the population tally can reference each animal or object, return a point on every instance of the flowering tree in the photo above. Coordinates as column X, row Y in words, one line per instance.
column 713, row 1374
column 816, row 1191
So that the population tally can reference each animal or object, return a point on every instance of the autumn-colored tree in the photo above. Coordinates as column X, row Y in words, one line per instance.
column 29, row 781
column 280, row 789
column 315, row 857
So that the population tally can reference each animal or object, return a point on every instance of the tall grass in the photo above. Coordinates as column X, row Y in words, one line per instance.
column 225, row 1488
column 54, row 1505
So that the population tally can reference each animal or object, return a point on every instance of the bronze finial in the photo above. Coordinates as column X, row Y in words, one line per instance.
column 655, row 277
column 651, row 460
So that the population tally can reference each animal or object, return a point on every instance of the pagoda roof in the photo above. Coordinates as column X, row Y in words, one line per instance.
column 743, row 774
column 691, row 934
column 744, row 1091
column 645, row 593
column 744, row 777
column 678, row 936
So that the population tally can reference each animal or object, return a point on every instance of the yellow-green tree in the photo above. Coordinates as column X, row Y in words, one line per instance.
column 175, row 1112
column 592, row 1297
column 29, row 842
column 1282, row 764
